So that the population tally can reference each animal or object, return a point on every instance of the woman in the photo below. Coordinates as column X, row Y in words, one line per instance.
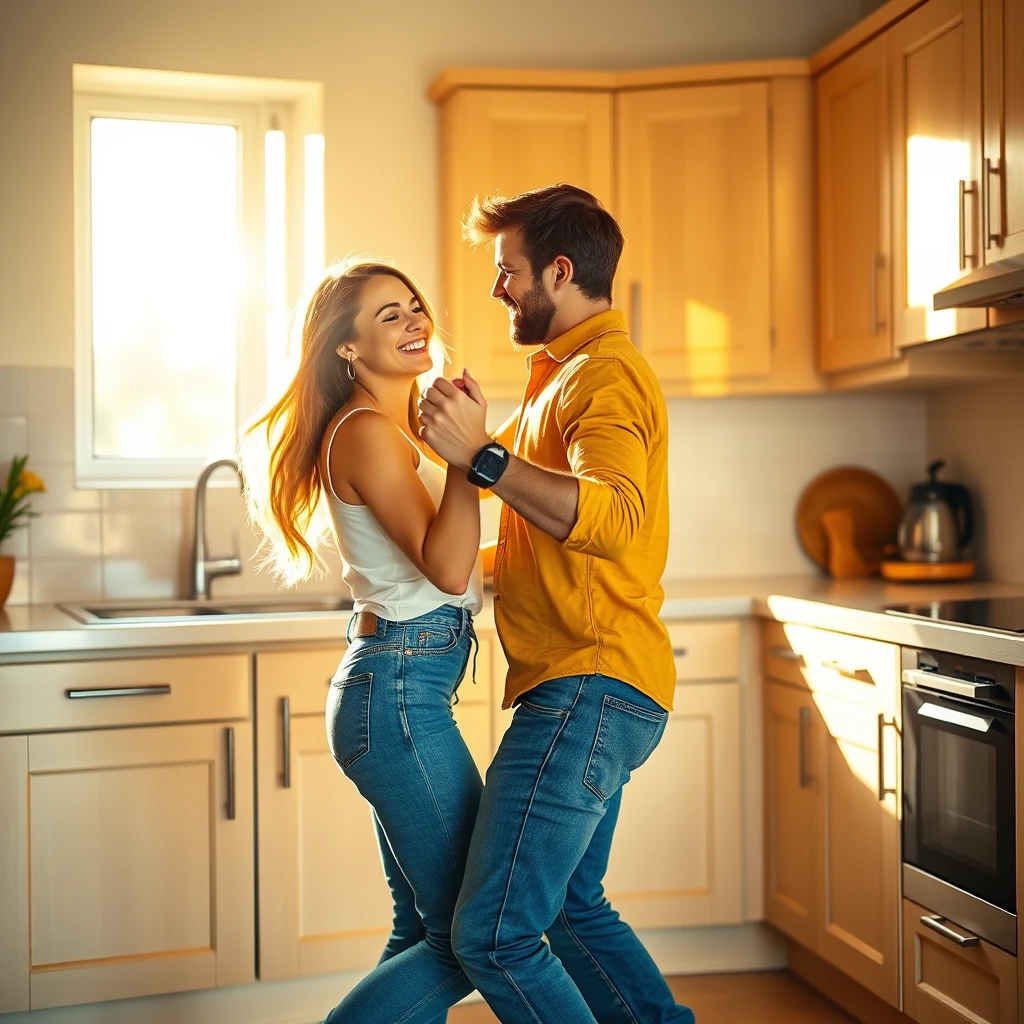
column 408, row 533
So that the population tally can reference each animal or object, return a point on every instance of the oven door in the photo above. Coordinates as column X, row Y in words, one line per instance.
column 958, row 794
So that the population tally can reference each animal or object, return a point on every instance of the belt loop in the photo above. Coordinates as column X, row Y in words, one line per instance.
column 348, row 629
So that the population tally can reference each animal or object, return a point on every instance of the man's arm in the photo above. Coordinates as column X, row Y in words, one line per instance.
column 542, row 497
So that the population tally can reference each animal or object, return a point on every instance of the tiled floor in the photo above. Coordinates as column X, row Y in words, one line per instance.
column 769, row 998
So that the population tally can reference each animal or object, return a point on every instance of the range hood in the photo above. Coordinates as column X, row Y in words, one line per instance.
column 998, row 284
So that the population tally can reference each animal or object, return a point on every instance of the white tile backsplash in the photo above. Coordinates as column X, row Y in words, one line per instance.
column 737, row 467
column 13, row 439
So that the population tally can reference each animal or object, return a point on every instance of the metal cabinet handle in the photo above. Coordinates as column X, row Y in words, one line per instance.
column 965, row 191
column 786, row 654
column 993, row 168
column 847, row 673
column 805, row 721
column 883, row 789
column 231, row 772
column 877, row 263
column 934, row 921
column 634, row 301
column 157, row 690
column 286, row 741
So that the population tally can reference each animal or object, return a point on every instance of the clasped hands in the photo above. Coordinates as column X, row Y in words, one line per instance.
column 454, row 416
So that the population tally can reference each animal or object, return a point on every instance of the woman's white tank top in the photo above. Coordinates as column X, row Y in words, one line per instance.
column 381, row 577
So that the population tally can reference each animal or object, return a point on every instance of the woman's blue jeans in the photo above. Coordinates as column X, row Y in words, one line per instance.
column 391, row 729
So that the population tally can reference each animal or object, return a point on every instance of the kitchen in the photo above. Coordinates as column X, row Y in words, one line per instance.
column 811, row 383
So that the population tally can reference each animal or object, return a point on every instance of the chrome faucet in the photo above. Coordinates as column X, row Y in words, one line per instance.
column 204, row 569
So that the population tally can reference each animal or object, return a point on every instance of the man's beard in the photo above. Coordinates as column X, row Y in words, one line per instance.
column 530, row 318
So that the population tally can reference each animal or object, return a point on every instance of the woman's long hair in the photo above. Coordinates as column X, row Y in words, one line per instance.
column 281, row 450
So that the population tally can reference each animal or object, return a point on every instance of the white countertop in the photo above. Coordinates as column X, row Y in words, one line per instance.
column 850, row 606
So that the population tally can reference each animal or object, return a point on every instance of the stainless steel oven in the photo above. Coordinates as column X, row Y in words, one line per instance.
column 959, row 824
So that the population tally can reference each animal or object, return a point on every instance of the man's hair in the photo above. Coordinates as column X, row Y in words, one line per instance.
column 560, row 220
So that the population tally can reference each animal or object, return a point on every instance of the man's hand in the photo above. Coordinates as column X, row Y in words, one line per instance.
column 454, row 415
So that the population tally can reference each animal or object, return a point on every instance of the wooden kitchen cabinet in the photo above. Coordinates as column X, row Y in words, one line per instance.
column 839, row 694
column 132, row 870
column 508, row 141
column 946, row 983
column 324, row 905
column 791, row 727
column 473, row 710
column 1002, row 192
column 854, row 249
column 935, row 118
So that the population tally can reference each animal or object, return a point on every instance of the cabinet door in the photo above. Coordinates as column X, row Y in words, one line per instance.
column 935, row 79
column 1003, row 178
column 324, row 903
column 14, row 847
column 473, row 710
column 140, row 862
column 853, row 197
column 676, row 858
column 508, row 141
column 947, row 983
column 859, row 844
column 693, row 171
column 791, row 723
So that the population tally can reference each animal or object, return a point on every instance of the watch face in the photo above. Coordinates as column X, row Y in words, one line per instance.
column 490, row 463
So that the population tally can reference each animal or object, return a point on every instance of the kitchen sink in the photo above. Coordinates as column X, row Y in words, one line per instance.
column 185, row 611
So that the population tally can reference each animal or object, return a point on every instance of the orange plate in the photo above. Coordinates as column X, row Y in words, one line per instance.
column 910, row 572
column 874, row 505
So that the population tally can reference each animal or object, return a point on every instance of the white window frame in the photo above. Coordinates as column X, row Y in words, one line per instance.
column 253, row 107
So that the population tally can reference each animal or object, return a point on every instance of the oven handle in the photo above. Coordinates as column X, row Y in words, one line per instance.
column 948, row 684
column 979, row 723
column 934, row 922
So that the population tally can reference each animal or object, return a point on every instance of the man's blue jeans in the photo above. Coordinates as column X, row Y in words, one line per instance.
column 390, row 727
column 538, row 856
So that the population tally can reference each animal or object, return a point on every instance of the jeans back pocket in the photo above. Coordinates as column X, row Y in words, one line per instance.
column 349, row 727
column 626, row 735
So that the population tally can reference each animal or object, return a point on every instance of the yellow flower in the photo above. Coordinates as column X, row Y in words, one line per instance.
column 28, row 483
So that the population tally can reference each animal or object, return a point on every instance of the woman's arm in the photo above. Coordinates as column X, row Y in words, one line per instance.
column 378, row 462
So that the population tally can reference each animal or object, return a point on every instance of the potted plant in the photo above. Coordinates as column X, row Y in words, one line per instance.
column 14, row 513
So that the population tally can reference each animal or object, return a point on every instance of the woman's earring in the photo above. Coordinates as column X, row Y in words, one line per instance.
column 351, row 370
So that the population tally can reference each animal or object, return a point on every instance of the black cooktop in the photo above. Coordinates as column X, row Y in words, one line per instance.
column 1005, row 614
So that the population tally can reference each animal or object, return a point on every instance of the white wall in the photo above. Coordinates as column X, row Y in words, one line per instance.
column 375, row 61
column 979, row 431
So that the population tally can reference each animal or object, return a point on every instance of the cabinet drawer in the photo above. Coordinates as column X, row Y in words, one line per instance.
column 133, row 691
column 705, row 650
column 851, row 667
column 945, row 983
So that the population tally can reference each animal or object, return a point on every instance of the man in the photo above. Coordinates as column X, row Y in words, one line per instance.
column 580, row 555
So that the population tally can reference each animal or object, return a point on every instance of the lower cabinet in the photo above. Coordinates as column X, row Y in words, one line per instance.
column 132, row 866
column 323, row 903
column 952, row 977
column 832, row 831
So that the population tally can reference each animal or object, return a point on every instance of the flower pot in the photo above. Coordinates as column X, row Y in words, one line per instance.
column 6, row 577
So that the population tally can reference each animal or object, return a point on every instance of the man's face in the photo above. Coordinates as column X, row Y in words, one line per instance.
column 530, row 307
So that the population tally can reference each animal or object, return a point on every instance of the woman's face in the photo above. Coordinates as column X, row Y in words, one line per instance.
column 392, row 330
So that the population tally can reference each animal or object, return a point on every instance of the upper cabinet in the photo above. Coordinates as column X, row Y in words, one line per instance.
column 713, row 173
column 935, row 103
column 508, row 141
column 853, row 211
column 1002, row 185
column 694, row 206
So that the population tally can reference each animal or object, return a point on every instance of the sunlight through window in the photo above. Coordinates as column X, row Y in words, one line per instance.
column 165, row 272
column 276, row 253
column 314, row 212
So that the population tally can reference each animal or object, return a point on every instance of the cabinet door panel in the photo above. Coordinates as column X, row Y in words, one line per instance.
column 508, row 141
column 790, row 812
column 859, row 847
column 677, row 857
column 694, row 202
column 139, row 881
column 935, row 76
column 14, row 921
column 853, row 198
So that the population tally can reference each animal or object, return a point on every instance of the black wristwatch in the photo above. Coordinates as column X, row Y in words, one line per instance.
column 488, row 465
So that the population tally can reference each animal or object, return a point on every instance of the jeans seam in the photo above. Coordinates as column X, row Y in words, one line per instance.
column 581, row 946
column 440, row 986
column 519, row 841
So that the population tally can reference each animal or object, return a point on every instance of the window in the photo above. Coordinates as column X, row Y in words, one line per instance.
column 199, row 221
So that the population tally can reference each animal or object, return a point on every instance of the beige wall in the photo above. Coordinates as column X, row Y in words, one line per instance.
column 979, row 431
column 375, row 60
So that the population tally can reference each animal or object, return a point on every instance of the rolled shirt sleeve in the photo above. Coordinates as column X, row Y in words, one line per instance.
column 607, row 425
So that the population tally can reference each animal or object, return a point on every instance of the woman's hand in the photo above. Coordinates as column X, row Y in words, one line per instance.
column 454, row 415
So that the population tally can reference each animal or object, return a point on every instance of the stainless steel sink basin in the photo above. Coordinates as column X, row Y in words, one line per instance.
column 186, row 611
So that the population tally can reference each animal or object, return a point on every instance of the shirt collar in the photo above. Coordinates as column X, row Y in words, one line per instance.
column 608, row 322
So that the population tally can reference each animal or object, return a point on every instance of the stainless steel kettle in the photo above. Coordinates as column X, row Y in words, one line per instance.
column 938, row 522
